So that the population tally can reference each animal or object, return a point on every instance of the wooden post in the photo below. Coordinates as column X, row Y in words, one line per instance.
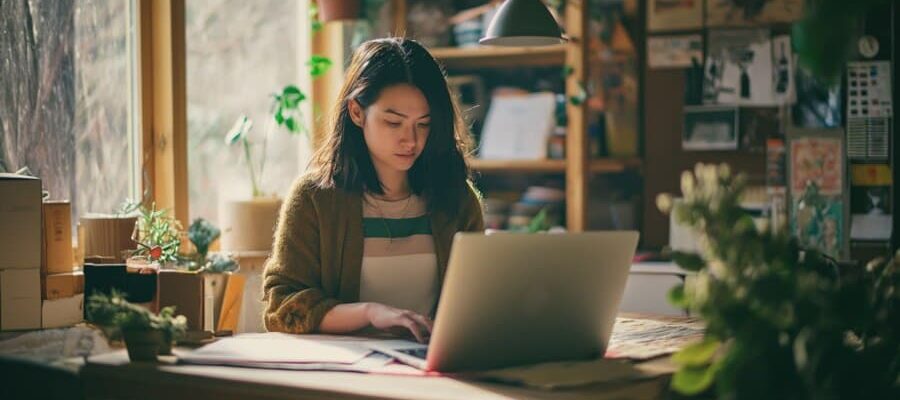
column 328, row 42
column 577, row 173
column 399, row 14
column 164, row 104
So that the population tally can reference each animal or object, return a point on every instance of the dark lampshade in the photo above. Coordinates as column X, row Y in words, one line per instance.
column 523, row 23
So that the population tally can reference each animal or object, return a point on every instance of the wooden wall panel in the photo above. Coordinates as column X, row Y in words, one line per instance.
column 663, row 158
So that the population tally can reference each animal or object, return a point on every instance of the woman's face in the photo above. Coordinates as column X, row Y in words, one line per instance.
column 395, row 127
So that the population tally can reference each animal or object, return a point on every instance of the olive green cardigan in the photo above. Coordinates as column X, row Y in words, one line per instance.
column 318, row 250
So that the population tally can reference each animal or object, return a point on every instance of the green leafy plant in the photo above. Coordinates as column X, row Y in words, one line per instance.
column 826, row 37
column 539, row 222
column 286, row 112
column 157, row 234
column 202, row 234
column 781, row 321
column 115, row 314
column 220, row 263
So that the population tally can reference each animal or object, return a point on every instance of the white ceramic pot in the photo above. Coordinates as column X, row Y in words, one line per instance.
column 248, row 225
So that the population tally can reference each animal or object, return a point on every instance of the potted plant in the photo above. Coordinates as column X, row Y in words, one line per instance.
column 248, row 224
column 144, row 333
column 172, row 327
column 158, row 237
column 202, row 234
column 781, row 321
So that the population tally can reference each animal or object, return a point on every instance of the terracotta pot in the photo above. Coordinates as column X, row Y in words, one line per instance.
column 248, row 225
column 333, row 10
column 143, row 344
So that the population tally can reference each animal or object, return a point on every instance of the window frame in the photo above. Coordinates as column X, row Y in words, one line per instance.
column 162, row 71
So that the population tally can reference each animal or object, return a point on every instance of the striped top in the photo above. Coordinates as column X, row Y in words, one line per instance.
column 399, row 266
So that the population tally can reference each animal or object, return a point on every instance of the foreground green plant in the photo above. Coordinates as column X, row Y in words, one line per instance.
column 781, row 322
column 115, row 314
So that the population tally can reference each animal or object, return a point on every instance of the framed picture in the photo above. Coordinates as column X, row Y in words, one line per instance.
column 817, row 189
column 870, row 202
column 723, row 13
column 678, row 51
column 671, row 15
column 710, row 128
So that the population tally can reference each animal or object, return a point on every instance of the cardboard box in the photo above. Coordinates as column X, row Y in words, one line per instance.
column 20, row 299
column 107, row 238
column 20, row 222
column 197, row 296
column 58, row 255
column 62, row 312
column 59, row 286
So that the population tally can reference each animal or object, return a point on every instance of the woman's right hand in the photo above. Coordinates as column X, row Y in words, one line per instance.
column 388, row 318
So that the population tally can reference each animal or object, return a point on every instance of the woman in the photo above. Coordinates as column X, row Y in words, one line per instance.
column 363, row 238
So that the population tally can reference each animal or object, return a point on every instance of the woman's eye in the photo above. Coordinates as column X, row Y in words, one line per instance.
column 393, row 124
column 424, row 125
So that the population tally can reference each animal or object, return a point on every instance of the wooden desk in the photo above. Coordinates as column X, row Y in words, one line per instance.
column 111, row 376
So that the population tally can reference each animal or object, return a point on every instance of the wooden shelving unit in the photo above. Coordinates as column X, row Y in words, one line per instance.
column 481, row 57
column 578, row 167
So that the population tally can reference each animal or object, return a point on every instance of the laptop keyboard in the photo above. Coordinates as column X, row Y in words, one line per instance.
column 417, row 353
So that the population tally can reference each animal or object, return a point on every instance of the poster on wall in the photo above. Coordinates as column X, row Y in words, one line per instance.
column 724, row 13
column 739, row 68
column 820, row 226
column 670, row 15
column 816, row 161
column 679, row 51
column 816, row 169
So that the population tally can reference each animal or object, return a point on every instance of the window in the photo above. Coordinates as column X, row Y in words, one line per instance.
column 69, row 99
column 239, row 54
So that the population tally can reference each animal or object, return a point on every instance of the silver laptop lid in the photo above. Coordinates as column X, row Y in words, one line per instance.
column 513, row 299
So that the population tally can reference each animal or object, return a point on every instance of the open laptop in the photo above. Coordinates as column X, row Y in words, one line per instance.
column 514, row 299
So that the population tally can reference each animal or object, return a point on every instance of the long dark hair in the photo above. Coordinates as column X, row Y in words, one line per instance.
column 440, row 173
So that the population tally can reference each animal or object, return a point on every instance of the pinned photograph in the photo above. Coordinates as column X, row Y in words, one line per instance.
column 818, row 104
column 757, row 125
column 710, row 128
column 739, row 68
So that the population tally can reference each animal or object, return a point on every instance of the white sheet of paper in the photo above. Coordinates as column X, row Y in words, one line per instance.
column 275, row 347
column 739, row 67
column 871, row 227
column 518, row 127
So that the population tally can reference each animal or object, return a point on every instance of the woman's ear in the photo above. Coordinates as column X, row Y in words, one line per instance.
column 356, row 112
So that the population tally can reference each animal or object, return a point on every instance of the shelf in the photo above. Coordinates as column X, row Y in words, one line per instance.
column 598, row 166
column 479, row 57
column 518, row 165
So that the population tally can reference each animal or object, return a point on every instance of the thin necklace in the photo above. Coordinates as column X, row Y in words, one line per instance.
column 384, row 219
